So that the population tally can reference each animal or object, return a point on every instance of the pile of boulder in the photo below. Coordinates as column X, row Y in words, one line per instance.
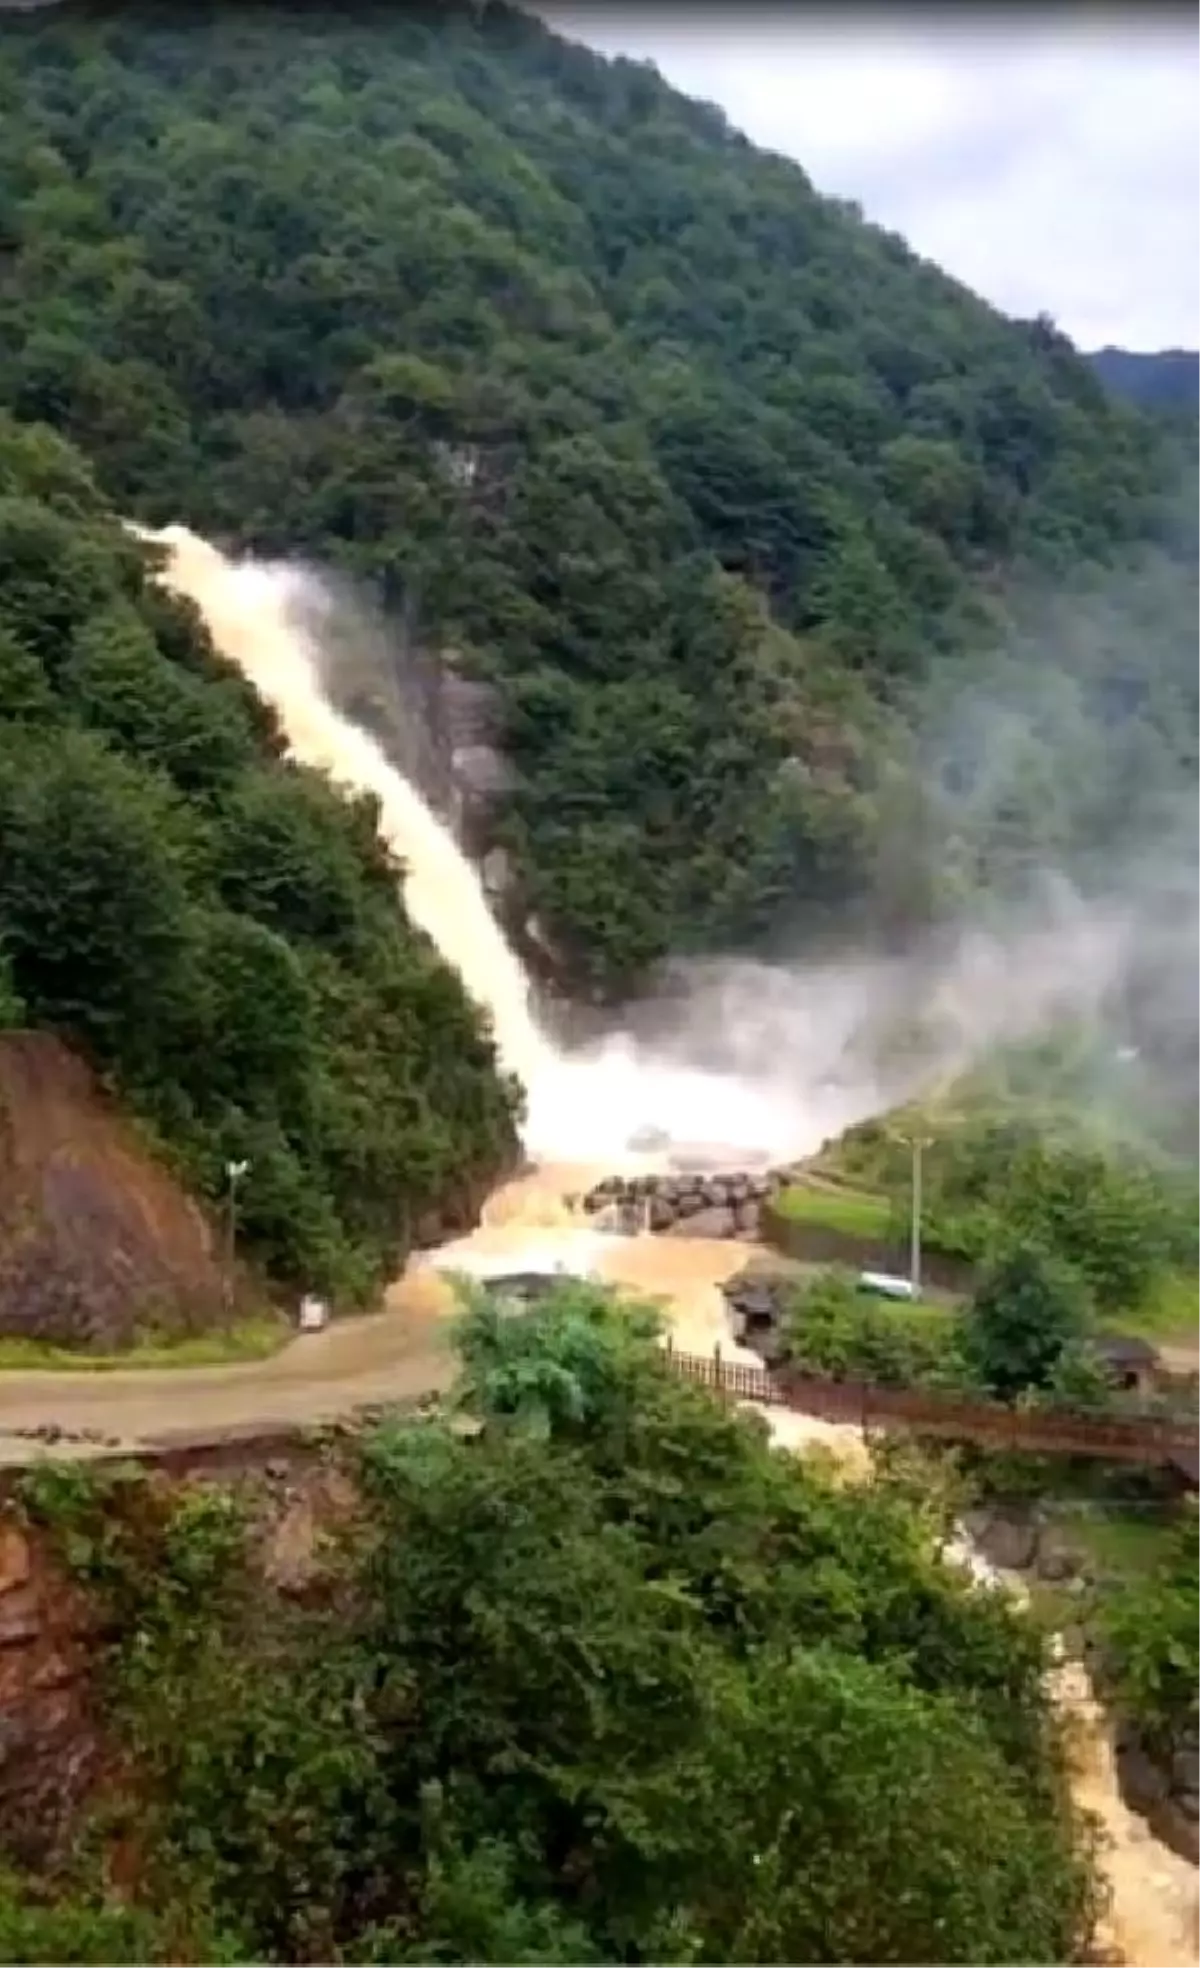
column 687, row 1203
column 755, row 1300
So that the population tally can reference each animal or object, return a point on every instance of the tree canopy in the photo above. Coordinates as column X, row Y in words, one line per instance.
column 608, row 1679
column 728, row 491
column 221, row 932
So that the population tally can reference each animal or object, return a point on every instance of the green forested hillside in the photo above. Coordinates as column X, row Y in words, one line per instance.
column 1167, row 380
column 217, row 928
column 737, row 499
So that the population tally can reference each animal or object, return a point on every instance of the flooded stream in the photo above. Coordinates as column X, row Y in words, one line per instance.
column 1154, row 1917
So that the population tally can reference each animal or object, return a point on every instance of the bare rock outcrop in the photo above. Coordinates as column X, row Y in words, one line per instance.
column 98, row 1241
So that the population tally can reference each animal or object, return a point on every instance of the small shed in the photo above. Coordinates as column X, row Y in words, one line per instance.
column 1184, row 1468
column 1132, row 1363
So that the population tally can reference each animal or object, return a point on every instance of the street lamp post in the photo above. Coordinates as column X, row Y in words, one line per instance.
column 917, row 1143
column 234, row 1172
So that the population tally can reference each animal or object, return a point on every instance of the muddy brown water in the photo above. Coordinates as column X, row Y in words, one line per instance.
column 403, row 1351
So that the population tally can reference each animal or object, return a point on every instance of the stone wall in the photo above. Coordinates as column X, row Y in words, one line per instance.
column 740, row 1203
column 816, row 1243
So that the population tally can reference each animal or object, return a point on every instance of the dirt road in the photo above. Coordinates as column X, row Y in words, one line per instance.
column 392, row 1355
column 403, row 1351
column 395, row 1354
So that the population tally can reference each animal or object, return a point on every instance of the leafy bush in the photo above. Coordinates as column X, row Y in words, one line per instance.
column 830, row 1327
column 608, row 1680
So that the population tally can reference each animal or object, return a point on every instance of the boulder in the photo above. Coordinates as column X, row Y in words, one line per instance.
column 708, row 1222
column 1185, row 1772
column 1144, row 1782
column 662, row 1214
column 1056, row 1559
column 1175, row 1823
column 1006, row 1541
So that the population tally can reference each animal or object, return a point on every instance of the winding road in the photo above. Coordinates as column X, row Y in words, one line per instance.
column 403, row 1352
column 396, row 1354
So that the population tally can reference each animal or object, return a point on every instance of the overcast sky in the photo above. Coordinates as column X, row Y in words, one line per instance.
column 1052, row 167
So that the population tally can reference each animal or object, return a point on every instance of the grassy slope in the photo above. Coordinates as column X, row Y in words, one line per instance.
column 1169, row 1314
column 250, row 1339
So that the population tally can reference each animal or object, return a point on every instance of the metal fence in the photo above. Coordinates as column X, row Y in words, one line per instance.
column 868, row 1405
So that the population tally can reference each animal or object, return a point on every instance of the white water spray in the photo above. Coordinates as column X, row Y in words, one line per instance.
column 254, row 612
column 757, row 1061
column 260, row 616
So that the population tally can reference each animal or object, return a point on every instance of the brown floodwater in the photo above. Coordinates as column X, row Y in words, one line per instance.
column 403, row 1351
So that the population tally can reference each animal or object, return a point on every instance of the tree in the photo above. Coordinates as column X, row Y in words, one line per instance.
column 223, row 933
column 1120, row 1223
column 522, row 338
column 1028, row 1309
column 626, row 1684
column 93, row 895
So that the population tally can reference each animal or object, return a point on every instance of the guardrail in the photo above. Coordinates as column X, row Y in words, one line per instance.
column 867, row 1405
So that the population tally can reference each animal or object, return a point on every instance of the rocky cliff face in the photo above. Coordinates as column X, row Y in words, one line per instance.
column 54, row 1756
column 98, row 1242
column 50, row 1744
column 444, row 730
column 1035, row 1543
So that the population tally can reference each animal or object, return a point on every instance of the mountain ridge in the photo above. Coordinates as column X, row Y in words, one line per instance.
column 1166, row 379
column 692, row 463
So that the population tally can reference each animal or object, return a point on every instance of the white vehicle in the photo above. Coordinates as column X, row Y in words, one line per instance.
column 885, row 1284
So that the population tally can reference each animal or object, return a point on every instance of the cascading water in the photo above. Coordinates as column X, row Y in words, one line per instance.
column 804, row 1049
column 254, row 612
column 585, row 1107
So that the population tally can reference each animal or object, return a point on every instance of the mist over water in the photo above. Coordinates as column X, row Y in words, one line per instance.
column 261, row 616
column 746, row 1058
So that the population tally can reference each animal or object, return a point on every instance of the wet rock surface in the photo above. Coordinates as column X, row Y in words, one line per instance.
column 687, row 1202
column 98, row 1241
column 1159, row 1785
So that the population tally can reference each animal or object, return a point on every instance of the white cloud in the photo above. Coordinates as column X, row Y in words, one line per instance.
column 1050, row 166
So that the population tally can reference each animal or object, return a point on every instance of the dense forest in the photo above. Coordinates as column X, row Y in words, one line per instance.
column 749, row 512
column 1167, row 380
column 219, row 930
column 605, row 1680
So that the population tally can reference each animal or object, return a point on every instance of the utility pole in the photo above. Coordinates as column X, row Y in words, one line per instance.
column 234, row 1172
column 918, row 1143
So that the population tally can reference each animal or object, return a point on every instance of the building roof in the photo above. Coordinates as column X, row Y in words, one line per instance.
column 1187, row 1462
column 1126, row 1350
